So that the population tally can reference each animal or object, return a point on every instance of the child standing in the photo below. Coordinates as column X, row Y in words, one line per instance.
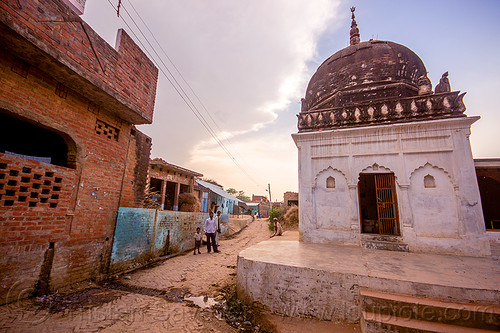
column 197, row 240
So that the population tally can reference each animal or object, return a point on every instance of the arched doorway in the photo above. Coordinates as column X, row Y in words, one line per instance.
column 378, row 204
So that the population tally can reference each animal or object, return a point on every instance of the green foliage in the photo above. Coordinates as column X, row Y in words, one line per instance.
column 275, row 213
column 231, row 191
column 238, row 194
column 242, row 196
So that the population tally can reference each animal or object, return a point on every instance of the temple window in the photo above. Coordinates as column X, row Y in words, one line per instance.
column 429, row 182
column 330, row 182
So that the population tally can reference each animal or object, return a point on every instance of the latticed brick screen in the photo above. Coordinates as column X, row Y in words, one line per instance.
column 30, row 184
column 107, row 130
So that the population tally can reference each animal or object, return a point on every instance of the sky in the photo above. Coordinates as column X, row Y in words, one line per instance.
column 249, row 63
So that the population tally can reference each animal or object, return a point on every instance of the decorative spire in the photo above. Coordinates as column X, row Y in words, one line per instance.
column 354, row 29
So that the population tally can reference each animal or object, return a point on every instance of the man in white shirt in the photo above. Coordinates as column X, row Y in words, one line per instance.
column 210, row 228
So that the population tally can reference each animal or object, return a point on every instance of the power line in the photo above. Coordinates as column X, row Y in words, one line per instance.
column 185, row 97
column 180, row 74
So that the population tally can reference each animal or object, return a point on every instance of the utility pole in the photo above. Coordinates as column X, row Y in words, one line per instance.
column 269, row 190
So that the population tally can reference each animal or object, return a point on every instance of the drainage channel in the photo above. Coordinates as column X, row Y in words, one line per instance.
column 173, row 295
column 177, row 295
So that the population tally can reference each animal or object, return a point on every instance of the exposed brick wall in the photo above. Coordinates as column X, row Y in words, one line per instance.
column 73, row 207
column 136, row 173
column 123, row 80
column 170, row 175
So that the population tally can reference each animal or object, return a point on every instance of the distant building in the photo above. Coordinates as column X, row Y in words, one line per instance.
column 70, row 154
column 218, row 200
column 169, row 181
column 291, row 199
column 252, row 208
column 264, row 204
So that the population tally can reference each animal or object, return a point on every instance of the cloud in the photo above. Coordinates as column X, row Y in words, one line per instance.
column 247, row 61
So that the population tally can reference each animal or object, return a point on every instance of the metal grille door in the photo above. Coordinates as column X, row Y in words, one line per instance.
column 386, row 204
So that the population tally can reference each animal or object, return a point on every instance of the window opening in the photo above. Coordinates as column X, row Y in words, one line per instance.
column 429, row 182
column 23, row 139
column 106, row 130
column 61, row 90
column 20, row 67
column 330, row 182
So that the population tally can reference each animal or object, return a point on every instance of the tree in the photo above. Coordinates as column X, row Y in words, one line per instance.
column 242, row 196
column 238, row 194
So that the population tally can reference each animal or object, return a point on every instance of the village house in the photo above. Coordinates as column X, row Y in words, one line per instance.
column 70, row 155
column 216, row 199
column 169, row 181
column 291, row 199
column 263, row 204
column 252, row 208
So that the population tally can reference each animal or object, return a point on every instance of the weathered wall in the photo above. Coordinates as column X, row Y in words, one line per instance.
column 446, row 218
column 143, row 234
column 83, row 100
column 51, row 37
column 136, row 172
column 171, row 175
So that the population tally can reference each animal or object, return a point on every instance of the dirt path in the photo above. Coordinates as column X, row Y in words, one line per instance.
column 148, row 300
column 205, row 273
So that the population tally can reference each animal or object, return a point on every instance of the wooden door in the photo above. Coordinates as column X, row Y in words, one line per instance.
column 386, row 204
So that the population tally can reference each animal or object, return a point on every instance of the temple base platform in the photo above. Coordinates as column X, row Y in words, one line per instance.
column 381, row 290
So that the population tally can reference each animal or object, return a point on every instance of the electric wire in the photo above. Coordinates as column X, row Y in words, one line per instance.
column 187, row 84
column 184, row 96
column 180, row 74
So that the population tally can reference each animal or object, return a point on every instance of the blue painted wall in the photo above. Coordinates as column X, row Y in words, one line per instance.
column 133, row 234
column 141, row 234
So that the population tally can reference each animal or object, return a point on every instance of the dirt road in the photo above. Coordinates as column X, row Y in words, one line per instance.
column 148, row 300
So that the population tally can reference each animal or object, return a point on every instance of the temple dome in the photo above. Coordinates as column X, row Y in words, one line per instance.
column 363, row 73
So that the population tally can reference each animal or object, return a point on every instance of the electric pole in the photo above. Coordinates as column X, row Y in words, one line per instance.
column 269, row 190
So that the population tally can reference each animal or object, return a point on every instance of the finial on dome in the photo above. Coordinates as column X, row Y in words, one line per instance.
column 354, row 39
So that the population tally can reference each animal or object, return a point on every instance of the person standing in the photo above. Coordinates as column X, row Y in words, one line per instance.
column 209, row 229
column 218, row 231
column 197, row 240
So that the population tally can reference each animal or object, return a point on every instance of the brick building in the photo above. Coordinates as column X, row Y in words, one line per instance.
column 170, row 181
column 264, row 204
column 69, row 152
column 291, row 199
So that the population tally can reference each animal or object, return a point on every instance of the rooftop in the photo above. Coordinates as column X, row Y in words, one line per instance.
column 51, row 37
column 170, row 166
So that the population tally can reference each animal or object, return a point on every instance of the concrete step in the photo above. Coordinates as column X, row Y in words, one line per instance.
column 379, row 323
column 389, row 306
column 385, row 245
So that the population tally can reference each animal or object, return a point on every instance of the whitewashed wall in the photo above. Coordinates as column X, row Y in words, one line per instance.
column 446, row 218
